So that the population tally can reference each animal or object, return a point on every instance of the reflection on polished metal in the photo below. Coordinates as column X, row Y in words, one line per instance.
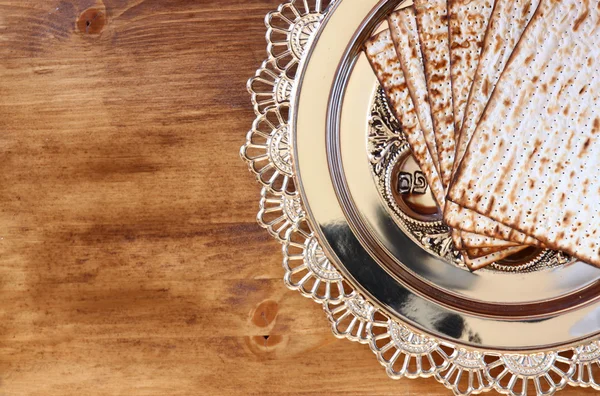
column 351, row 196
column 365, row 300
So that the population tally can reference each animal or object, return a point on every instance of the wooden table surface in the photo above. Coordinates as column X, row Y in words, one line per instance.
column 130, row 259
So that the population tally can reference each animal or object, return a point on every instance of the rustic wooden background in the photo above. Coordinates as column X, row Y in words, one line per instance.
column 130, row 260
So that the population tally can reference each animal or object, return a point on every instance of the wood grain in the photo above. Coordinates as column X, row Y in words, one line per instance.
column 130, row 260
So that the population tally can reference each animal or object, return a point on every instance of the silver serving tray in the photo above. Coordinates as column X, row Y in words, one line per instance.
column 340, row 191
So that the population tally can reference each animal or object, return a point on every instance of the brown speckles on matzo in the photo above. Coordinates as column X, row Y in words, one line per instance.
column 567, row 210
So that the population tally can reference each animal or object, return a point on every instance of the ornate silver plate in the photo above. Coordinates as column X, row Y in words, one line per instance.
column 344, row 197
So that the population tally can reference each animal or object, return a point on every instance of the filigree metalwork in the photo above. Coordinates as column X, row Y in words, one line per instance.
column 278, row 213
column 385, row 138
column 308, row 270
column 267, row 151
column 403, row 352
column 515, row 374
column 387, row 145
column 289, row 30
column 269, row 87
column 465, row 373
column 587, row 362
column 351, row 318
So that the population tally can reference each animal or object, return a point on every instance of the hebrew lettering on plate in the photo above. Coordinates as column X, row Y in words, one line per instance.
column 412, row 183
column 405, row 182
column 419, row 183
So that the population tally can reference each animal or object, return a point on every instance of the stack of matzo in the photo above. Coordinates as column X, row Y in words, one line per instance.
column 498, row 102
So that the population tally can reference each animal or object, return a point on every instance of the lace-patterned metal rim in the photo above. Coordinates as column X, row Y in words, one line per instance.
column 404, row 352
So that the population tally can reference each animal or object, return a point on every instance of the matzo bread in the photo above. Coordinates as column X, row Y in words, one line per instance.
column 475, row 263
column 432, row 27
column 383, row 59
column 473, row 240
column 507, row 22
column 468, row 21
column 403, row 28
column 404, row 34
column 467, row 240
column 533, row 160
column 477, row 225
column 481, row 252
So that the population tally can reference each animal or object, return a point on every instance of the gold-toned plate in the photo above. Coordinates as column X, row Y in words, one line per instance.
column 359, row 236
